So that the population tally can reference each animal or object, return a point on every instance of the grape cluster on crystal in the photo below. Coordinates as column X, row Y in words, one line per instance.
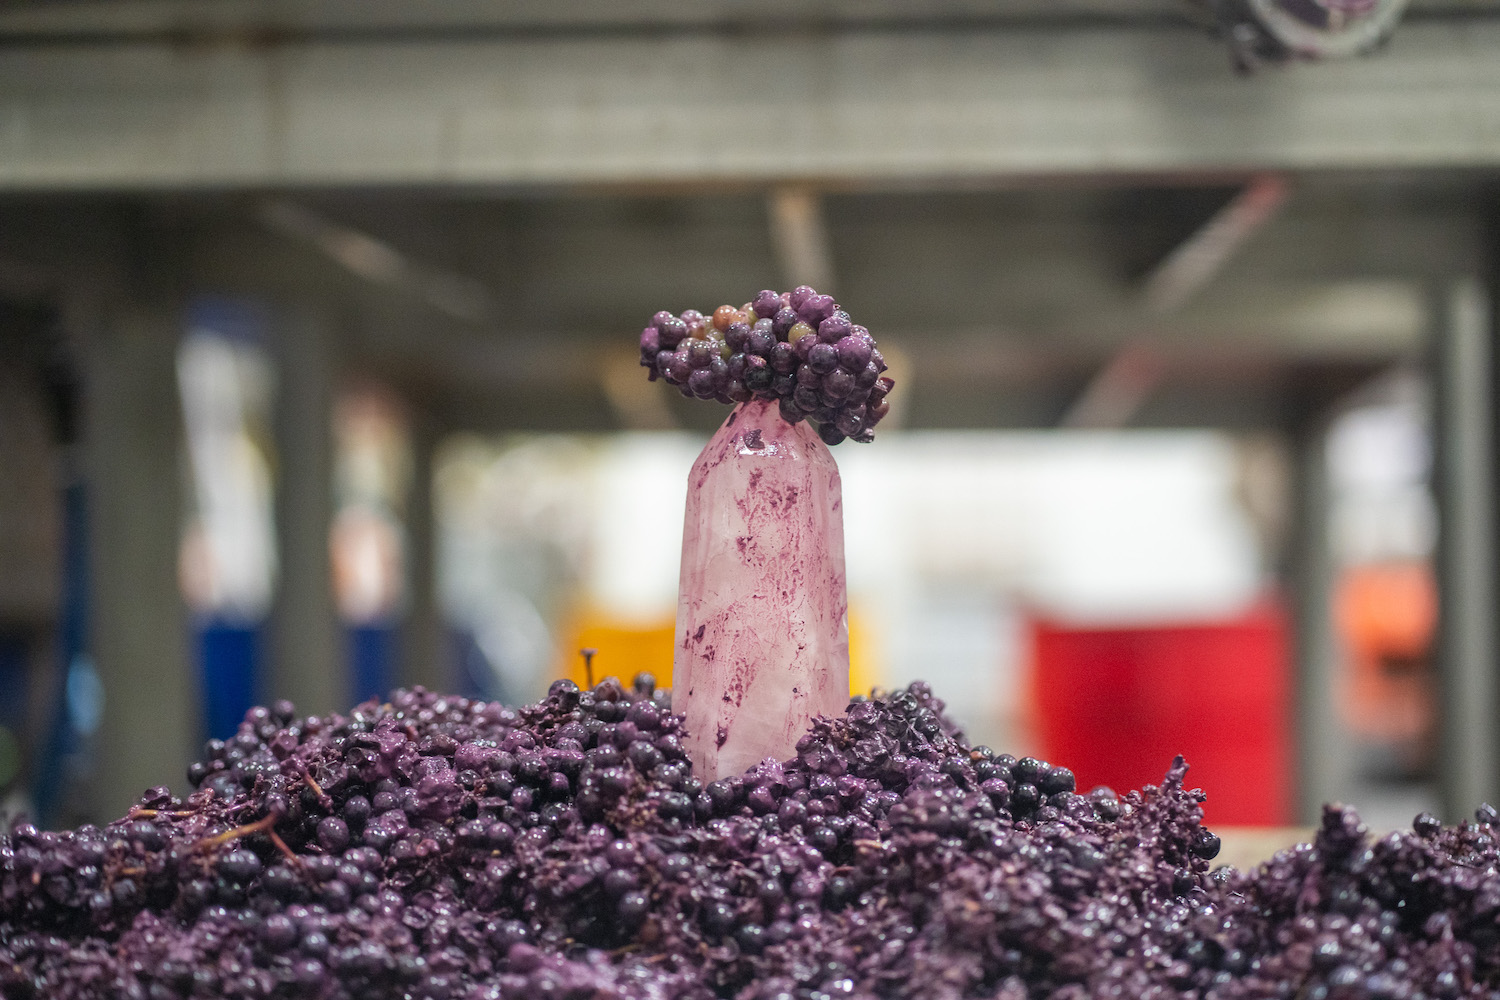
column 796, row 348
column 437, row 848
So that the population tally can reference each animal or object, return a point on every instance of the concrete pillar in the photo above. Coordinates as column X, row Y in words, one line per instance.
column 1469, row 761
column 309, row 663
column 1325, row 764
column 133, row 426
column 31, row 545
column 424, row 652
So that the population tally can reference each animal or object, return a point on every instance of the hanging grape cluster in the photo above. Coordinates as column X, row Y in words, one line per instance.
column 796, row 348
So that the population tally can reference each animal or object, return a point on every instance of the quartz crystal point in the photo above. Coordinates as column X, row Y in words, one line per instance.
column 762, row 642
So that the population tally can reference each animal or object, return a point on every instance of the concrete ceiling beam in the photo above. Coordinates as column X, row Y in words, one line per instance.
column 679, row 110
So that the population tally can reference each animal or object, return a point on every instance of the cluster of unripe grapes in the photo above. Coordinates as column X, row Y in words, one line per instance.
column 797, row 348
column 437, row 848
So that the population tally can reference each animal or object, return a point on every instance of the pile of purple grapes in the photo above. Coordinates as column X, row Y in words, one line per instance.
column 434, row 847
column 797, row 348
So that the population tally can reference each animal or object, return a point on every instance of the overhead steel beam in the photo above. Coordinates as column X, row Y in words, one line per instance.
column 868, row 105
column 193, row 19
column 147, row 18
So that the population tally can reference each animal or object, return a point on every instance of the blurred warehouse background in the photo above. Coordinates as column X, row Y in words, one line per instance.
column 317, row 365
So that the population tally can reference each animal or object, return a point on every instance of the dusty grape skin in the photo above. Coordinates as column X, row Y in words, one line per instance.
column 784, row 330
column 566, row 850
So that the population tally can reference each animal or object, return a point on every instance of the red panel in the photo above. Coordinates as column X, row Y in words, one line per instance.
column 1116, row 704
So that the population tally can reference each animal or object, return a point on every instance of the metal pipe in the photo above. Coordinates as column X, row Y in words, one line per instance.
column 1324, row 760
column 310, row 662
column 1467, row 700
column 149, row 728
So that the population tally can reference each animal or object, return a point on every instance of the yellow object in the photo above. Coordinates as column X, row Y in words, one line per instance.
column 626, row 649
column 864, row 656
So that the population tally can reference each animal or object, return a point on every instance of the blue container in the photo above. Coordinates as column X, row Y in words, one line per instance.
column 372, row 659
column 228, row 664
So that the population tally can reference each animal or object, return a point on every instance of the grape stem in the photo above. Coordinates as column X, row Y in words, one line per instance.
column 281, row 846
column 264, row 823
column 323, row 798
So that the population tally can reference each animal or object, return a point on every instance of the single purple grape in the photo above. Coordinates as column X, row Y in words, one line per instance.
column 766, row 303
column 760, row 342
column 837, row 384
column 701, row 352
column 671, row 332
column 333, row 834
column 783, row 358
column 834, row 328
column 822, row 358
column 737, row 336
column 757, row 374
column 816, row 308
column 854, row 354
